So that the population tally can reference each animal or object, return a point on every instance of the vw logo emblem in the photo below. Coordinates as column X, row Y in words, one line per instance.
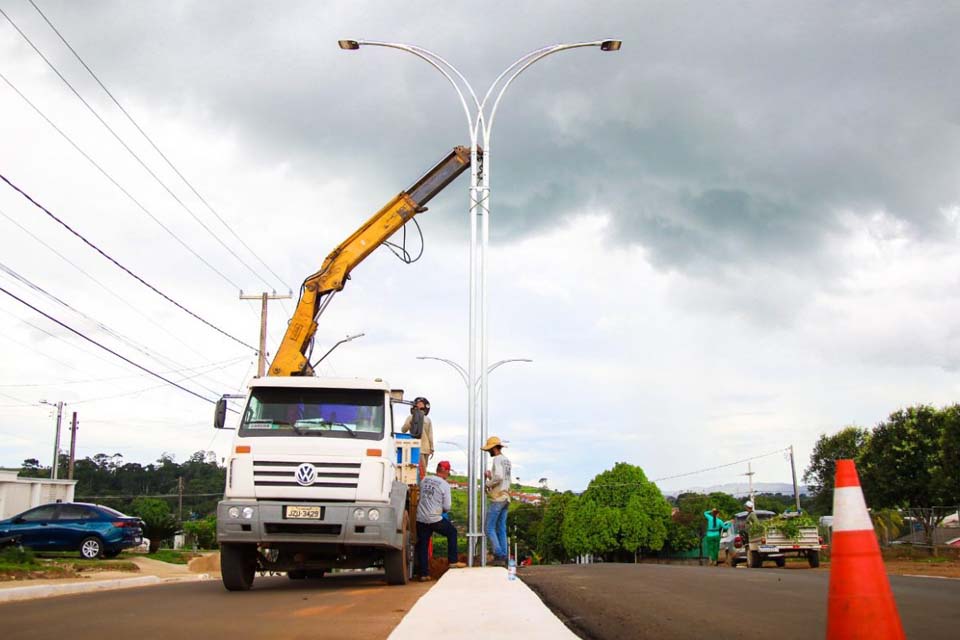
column 306, row 474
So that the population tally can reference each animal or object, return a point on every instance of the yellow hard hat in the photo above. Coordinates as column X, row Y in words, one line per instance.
column 493, row 441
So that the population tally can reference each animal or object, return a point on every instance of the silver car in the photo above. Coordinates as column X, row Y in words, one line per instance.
column 733, row 547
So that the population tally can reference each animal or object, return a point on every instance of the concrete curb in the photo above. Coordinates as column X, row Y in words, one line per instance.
column 16, row 594
column 481, row 603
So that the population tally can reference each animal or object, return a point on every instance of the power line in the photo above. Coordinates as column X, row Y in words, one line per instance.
column 118, row 185
column 103, row 286
column 97, row 323
column 124, row 144
column 152, row 144
column 211, row 365
column 108, row 349
column 125, row 269
column 721, row 466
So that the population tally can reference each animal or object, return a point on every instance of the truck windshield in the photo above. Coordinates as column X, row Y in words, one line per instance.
column 328, row 413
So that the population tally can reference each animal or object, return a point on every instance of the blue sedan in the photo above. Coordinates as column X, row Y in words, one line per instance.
column 93, row 530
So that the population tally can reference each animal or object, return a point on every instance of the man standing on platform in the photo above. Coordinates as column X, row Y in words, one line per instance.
column 498, row 499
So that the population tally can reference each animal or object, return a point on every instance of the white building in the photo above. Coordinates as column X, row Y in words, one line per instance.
column 19, row 494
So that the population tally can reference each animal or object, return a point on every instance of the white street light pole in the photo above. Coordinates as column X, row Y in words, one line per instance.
column 472, row 391
column 479, row 126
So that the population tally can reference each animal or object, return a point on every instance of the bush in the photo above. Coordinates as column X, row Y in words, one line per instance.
column 202, row 533
column 159, row 521
column 17, row 555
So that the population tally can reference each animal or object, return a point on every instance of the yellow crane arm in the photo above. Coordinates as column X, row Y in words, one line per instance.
column 318, row 289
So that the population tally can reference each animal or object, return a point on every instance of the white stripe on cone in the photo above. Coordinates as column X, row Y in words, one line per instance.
column 850, row 510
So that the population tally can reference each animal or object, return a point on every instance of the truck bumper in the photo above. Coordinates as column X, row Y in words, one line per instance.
column 338, row 524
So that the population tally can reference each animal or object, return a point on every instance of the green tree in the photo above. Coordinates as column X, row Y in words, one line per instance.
column 622, row 513
column 202, row 533
column 849, row 443
column 550, row 543
column 901, row 466
column 948, row 474
column 160, row 523
column 524, row 522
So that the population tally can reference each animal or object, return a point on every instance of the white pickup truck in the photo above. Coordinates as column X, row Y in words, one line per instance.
column 767, row 542
column 313, row 482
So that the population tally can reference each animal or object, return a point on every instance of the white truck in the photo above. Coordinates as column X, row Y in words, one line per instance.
column 313, row 483
column 767, row 542
column 313, row 476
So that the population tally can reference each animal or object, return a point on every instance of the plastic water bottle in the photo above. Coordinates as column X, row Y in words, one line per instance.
column 512, row 569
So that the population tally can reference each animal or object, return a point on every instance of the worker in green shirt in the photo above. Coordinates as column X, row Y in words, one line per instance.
column 715, row 528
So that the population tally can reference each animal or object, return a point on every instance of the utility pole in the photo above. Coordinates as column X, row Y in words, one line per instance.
column 56, row 438
column 796, row 489
column 264, row 298
column 749, row 475
column 180, row 498
column 73, row 445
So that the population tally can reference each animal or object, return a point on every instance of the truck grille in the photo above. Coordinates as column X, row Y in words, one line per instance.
column 302, row 529
column 274, row 473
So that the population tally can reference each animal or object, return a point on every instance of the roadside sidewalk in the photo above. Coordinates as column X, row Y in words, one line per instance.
column 151, row 572
column 481, row 603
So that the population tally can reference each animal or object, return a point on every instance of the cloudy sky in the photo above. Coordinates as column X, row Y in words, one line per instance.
column 735, row 234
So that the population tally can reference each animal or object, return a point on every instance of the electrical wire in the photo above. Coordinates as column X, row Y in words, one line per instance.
column 125, row 145
column 103, row 286
column 118, row 185
column 213, row 366
column 155, row 147
column 97, row 323
column 691, row 473
column 107, row 349
column 120, row 266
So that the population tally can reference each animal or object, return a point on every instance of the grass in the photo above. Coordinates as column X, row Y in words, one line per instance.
column 17, row 563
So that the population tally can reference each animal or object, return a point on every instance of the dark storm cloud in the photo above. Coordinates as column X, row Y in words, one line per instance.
column 720, row 134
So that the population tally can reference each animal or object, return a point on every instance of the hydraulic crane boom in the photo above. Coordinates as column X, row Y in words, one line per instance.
column 319, row 288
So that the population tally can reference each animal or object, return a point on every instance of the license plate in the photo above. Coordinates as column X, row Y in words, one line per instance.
column 768, row 548
column 303, row 513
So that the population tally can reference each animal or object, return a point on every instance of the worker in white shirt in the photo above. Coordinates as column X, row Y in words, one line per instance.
column 498, row 499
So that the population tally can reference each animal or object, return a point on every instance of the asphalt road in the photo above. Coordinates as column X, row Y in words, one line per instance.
column 667, row 602
column 345, row 606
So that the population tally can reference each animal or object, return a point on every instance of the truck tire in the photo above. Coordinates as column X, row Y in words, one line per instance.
column 238, row 566
column 813, row 558
column 754, row 559
column 781, row 562
column 396, row 562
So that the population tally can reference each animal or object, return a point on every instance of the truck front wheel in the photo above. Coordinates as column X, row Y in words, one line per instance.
column 238, row 565
column 396, row 563
column 754, row 559
column 814, row 559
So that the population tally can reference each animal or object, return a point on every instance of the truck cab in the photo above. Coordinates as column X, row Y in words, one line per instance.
column 314, row 483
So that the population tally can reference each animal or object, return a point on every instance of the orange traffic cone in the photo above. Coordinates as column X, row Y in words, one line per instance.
column 860, row 604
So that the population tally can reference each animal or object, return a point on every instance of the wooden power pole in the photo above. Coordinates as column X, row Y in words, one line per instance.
column 73, row 445
column 264, row 298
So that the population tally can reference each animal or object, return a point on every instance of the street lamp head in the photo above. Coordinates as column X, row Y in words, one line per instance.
column 606, row 45
column 351, row 45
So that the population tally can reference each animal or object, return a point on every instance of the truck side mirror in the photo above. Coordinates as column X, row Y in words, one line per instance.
column 220, row 414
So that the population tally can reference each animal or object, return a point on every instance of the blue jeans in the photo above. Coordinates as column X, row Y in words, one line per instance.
column 497, row 528
column 424, row 533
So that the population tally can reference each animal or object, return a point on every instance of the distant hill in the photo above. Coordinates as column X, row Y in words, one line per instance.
column 738, row 489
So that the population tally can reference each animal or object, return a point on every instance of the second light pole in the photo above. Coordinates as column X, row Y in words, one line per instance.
column 480, row 115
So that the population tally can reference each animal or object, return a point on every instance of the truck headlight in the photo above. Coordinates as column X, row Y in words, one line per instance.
column 359, row 514
column 233, row 512
column 248, row 512
column 374, row 514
